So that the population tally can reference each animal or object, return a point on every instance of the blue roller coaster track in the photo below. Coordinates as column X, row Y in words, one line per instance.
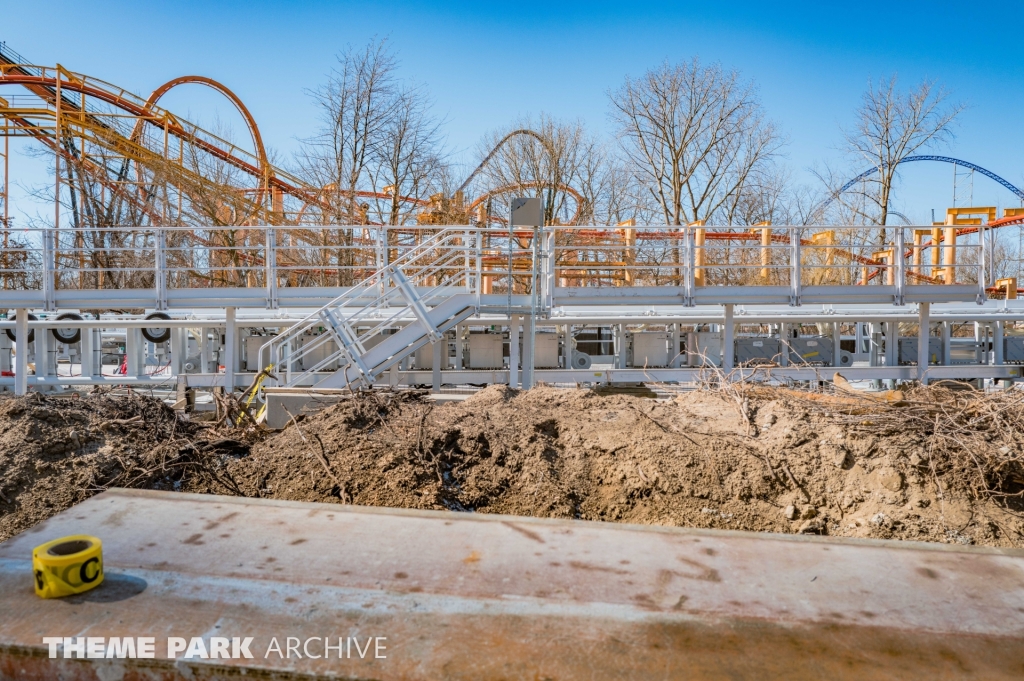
column 909, row 159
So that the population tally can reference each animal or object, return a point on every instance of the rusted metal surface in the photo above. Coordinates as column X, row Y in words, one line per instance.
column 469, row 596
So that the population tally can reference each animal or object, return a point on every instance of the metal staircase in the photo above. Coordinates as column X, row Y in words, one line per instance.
column 366, row 330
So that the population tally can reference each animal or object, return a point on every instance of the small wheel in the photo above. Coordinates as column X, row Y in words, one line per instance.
column 31, row 332
column 68, row 336
column 157, row 335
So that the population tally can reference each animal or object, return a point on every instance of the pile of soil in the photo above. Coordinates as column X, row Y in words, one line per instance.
column 58, row 451
column 932, row 465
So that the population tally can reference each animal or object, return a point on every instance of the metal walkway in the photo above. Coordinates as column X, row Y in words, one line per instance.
column 470, row 292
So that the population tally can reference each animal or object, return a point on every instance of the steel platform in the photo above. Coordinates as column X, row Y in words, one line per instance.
column 473, row 596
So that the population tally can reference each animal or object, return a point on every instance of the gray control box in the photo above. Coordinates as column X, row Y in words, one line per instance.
column 754, row 351
column 1013, row 350
column 908, row 350
column 811, row 350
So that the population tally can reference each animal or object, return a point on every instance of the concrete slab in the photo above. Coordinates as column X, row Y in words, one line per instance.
column 471, row 596
column 282, row 406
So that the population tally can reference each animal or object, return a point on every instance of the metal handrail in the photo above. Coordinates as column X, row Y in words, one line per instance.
column 407, row 263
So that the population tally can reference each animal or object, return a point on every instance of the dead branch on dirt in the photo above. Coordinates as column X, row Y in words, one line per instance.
column 321, row 456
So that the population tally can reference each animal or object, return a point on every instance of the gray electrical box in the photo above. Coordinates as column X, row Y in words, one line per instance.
column 650, row 348
column 753, row 351
column 704, row 348
column 485, row 351
column 425, row 356
column 908, row 350
column 317, row 349
column 526, row 213
column 811, row 350
column 252, row 351
column 545, row 350
column 1013, row 349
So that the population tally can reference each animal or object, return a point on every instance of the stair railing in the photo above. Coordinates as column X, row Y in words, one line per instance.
column 440, row 264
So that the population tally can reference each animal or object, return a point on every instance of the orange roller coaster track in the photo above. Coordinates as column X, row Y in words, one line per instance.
column 94, row 112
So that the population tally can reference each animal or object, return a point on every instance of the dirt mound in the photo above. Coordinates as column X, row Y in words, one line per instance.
column 58, row 451
column 754, row 459
column 932, row 465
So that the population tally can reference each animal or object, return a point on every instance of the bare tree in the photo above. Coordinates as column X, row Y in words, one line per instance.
column 355, row 104
column 764, row 197
column 407, row 159
column 893, row 124
column 546, row 158
column 377, row 155
column 694, row 136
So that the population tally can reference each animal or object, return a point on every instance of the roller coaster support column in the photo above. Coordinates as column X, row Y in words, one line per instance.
column 21, row 368
column 728, row 347
column 699, row 254
column 629, row 255
column 915, row 261
column 922, row 343
column 949, row 248
column 766, row 248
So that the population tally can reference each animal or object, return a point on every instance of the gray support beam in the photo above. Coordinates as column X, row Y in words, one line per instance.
column 230, row 349
column 922, row 342
column 89, row 341
column 947, row 333
column 874, row 346
column 784, row 345
column 513, row 352
column 892, row 334
column 39, row 352
column 997, row 343
column 728, row 344
column 529, row 345
column 675, row 356
column 205, row 350
column 5, row 353
column 979, row 340
column 134, row 348
column 21, row 334
column 179, row 349
column 837, row 337
column 438, row 348
column 566, row 330
column 619, row 345
column 459, row 330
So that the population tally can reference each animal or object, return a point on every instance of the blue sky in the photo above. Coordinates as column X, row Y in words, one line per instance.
column 488, row 63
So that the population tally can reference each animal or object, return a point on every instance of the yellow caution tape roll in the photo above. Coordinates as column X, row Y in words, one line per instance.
column 69, row 565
